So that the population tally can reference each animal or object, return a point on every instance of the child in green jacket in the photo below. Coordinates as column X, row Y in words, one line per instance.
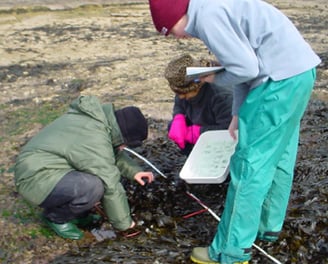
column 77, row 161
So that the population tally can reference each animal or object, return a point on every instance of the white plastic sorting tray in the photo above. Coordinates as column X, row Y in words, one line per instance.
column 209, row 160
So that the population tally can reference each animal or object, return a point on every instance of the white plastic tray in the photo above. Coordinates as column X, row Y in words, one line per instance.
column 209, row 160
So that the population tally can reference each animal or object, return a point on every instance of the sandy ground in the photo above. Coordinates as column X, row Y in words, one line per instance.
column 127, row 55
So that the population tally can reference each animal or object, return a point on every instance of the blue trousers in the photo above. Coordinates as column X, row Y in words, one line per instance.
column 262, row 166
column 73, row 197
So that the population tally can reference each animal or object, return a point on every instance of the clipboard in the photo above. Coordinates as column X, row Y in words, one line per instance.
column 197, row 72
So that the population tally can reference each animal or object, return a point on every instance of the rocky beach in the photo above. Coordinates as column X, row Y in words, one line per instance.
column 53, row 51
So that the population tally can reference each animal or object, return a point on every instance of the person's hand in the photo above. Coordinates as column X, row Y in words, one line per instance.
column 208, row 78
column 144, row 177
column 178, row 130
column 121, row 147
column 233, row 127
column 193, row 133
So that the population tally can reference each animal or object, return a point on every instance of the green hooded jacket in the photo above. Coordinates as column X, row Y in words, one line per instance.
column 86, row 139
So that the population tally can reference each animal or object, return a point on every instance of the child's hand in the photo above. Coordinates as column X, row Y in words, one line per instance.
column 208, row 78
column 233, row 127
column 178, row 130
column 144, row 177
column 193, row 133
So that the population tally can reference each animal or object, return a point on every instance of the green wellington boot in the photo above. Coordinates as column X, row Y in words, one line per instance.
column 200, row 255
column 86, row 221
column 66, row 230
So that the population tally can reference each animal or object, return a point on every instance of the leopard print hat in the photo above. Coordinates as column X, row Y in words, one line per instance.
column 175, row 73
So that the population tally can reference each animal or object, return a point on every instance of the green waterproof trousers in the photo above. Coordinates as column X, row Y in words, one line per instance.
column 262, row 166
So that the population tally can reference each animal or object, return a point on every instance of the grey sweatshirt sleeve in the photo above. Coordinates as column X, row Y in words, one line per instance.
column 233, row 50
column 239, row 94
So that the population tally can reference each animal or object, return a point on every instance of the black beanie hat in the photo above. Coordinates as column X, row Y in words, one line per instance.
column 133, row 125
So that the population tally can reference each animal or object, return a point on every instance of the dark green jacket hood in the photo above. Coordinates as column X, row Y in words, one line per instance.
column 104, row 113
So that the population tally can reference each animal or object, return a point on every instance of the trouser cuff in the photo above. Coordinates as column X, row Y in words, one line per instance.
column 268, row 236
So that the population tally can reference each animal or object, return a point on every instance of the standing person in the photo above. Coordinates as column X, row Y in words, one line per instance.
column 198, row 106
column 272, row 71
column 77, row 161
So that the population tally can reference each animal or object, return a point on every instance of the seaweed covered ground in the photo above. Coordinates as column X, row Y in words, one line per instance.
column 53, row 51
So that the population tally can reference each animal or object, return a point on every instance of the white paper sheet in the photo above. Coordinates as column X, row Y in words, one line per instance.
column 196, row 72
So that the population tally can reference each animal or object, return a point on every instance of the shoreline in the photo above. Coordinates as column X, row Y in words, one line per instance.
column 60, row 4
